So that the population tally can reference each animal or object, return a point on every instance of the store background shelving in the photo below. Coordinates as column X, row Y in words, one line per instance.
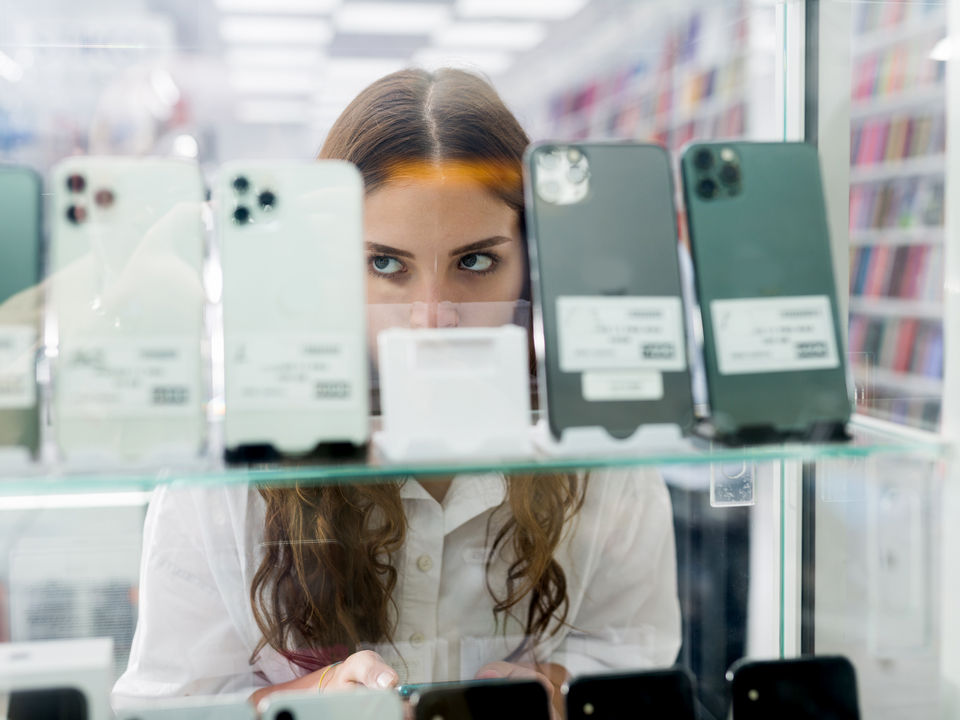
column 898, row 128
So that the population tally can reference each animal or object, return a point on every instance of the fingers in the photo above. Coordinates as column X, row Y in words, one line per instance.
column 365, row 668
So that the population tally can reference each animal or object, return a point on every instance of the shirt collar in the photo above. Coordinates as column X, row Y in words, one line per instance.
column 468, row 497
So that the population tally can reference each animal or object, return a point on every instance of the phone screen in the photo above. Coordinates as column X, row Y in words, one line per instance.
column 484, row 699
column 649, row 694
column 48, row 703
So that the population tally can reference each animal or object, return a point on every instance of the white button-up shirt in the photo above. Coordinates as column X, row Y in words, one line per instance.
column 196, row 631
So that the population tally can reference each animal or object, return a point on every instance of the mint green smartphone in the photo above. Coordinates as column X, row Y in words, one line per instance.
column 774, row 353
column 20, row 306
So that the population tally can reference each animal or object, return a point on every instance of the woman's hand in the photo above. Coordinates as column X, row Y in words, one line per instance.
column 550, row 675
column 362, row 669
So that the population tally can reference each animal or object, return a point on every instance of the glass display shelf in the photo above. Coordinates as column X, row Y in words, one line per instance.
column 870, row 437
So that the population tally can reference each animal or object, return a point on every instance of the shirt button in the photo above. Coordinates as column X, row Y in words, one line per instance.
column 425, row 563
column 417, row 639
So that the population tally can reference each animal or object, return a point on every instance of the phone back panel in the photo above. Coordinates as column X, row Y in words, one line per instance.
column 601, row 258
column 20, row 306
column 126, row 294
column 192, row 708
column 815, row 688
column 647, row 694
column 294, row 297
column 762, row 258
column 508, row 700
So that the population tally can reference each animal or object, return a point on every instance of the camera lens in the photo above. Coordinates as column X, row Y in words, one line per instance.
column 577, row 174
column 729, row 174
column 285, row 715
column 707, row 188
column 241, row 184
column 104, row 198
column 76, row 214
column 267, row 200
column 76, row 183
column 703, row 159
column 241, row 215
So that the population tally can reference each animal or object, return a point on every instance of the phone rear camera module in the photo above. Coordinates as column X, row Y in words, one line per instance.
column 77, row 214
column 104, row 198
column 76, row 183
column 285, row 715
column 577, row 173
column 241, row 184
column 729, row 173
column 267, row 200
column 707, row 188
column 703, row 159
column 241, row 215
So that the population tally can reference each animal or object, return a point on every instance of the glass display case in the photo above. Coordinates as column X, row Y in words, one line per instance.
column 250, row 456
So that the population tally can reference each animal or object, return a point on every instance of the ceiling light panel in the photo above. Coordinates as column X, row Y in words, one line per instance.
column 393, row 18
column 279, row 7
column 533, row 9
column 266, row 82
column 273, row 112
column 273, row 57
column 274, row 30
column 507, row 35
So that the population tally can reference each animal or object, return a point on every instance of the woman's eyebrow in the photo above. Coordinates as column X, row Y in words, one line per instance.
column 481, row 245
column 387, row 250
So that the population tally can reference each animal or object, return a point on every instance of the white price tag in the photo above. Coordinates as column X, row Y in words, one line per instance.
column 599, row 385
column 130, row 377
column 620, row 333
column 757, row 335
column 278, row 372
column 18, row 385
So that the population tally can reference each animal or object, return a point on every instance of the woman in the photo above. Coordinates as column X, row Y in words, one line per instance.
column 339, row 586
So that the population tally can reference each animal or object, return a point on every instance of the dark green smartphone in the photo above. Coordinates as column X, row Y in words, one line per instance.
column 608, row 309
column 812, row 688
column 20, row 306
column 773, row 348
column 664, row 693
column 47, row 704
column 483, row 699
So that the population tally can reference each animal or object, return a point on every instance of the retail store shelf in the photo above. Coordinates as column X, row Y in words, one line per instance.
column 869, row 439
column 923, row 165
column 922, row 235
column 909, row 384
column 896, row 307
column 916, row 29
column 924, row 98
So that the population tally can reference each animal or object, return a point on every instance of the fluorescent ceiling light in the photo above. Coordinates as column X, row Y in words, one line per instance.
column 542, row 9
column 273, row 112
column 396, row 18
column 486, row 61
column 272, row 57
column 506, row 35
column 943, row 50
column 299, row 7
column 249, row 29
column 274, row 83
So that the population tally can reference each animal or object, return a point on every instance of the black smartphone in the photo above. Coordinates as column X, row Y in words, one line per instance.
column 649, row 693
column 481, row 700
column 764, row 276
column 807, row 688
column 20, row 302
column 64, row 703
column 608, row 309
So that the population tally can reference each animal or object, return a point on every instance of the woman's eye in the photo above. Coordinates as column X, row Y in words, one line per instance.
column 476, row 262
column 386, row 265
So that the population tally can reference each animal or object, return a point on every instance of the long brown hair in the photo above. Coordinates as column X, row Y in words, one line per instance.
column 325, row 584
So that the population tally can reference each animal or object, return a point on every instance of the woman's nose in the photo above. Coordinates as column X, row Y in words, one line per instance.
column 434, row 314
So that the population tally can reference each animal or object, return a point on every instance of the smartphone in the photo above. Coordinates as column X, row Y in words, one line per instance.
column 810, row 688
column 192, row 708
column 65, row 703
column 127, row 299
column 478, row 700
column 20, row 303
column 768, row 296
column 347, row 705
column 296, row 370
column 408, row 690
column 608, row 310
column 651, row 693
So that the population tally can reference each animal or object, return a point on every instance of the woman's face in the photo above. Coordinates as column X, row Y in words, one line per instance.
column 442, row 253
